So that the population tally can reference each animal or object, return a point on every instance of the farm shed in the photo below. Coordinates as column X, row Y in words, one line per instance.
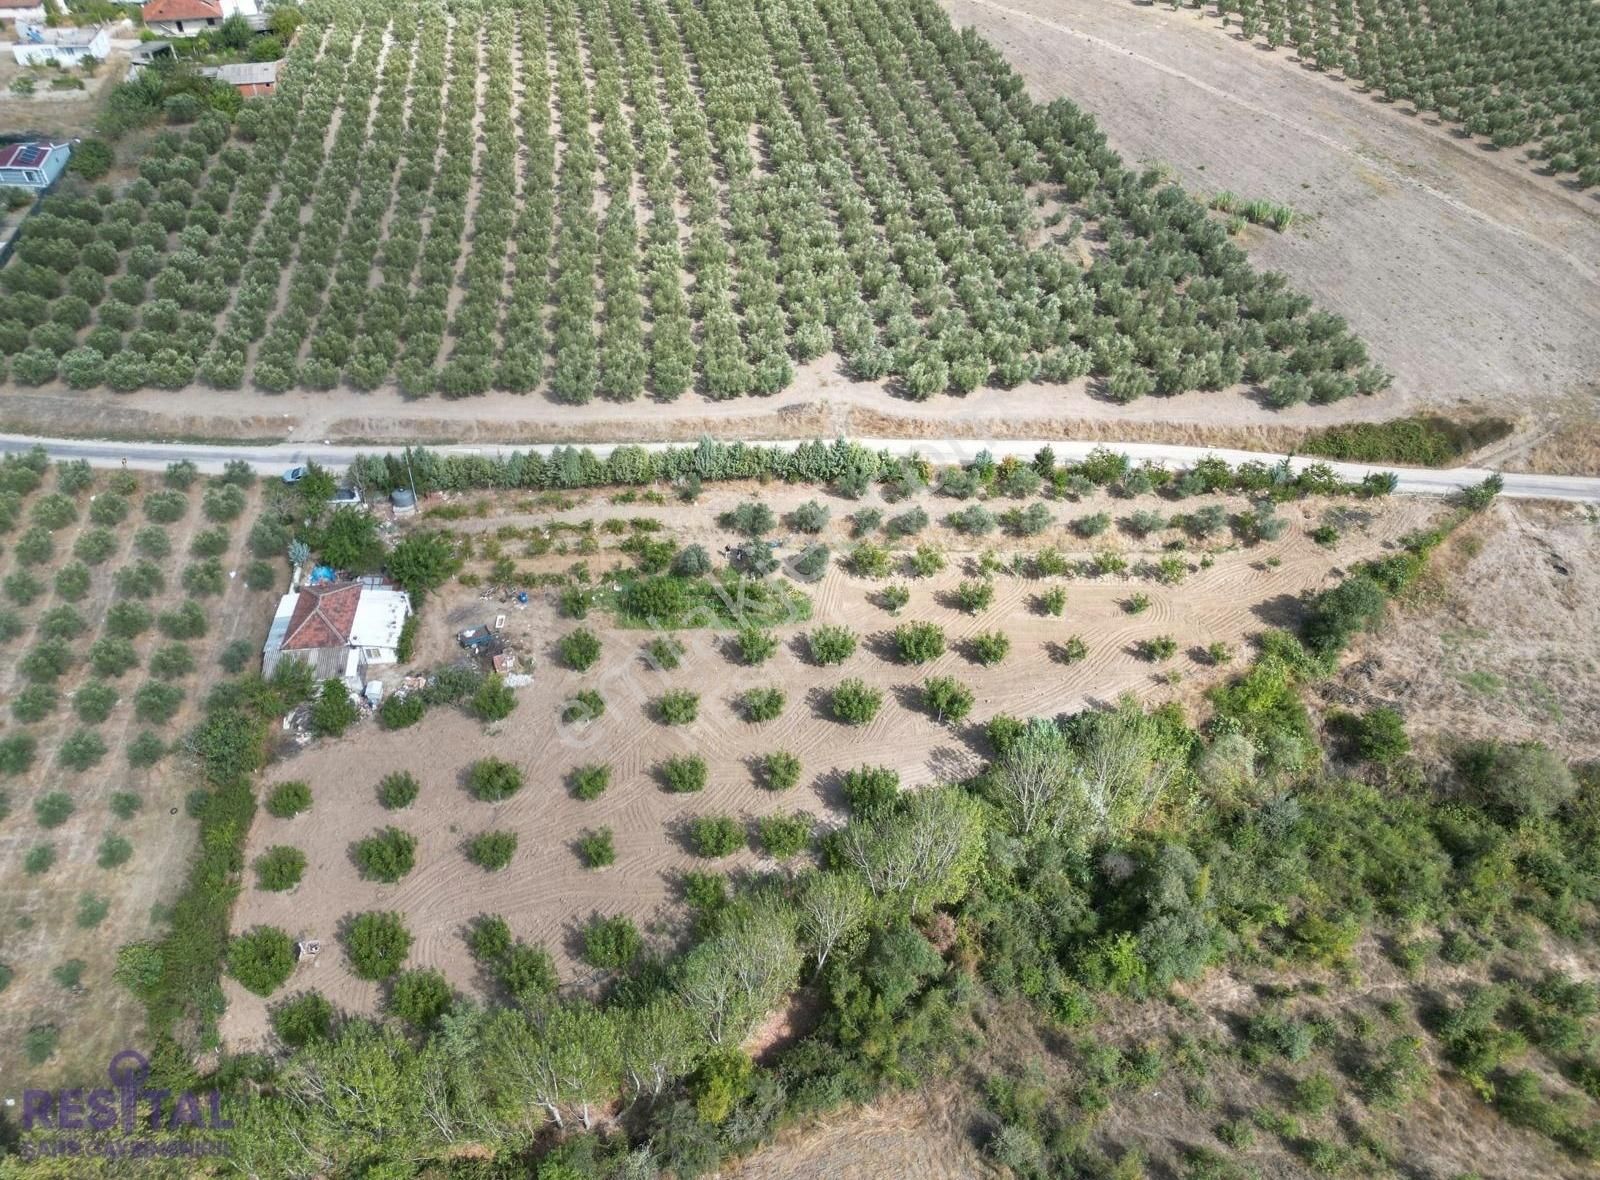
column 250, row 78
column 39, row 46
column 341, row 629
column 32, row 165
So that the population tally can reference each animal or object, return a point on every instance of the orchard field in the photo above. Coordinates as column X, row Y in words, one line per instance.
column 611, row 199
column 123, row 597
column 646, row 761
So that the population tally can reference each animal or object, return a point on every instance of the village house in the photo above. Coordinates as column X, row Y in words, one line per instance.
column 32, row 165
column 342, row 629
column 190, row 18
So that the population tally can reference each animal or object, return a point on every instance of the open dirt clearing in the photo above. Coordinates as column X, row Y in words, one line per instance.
column 1470, row 278
column 545, row 893
column 1501, row 640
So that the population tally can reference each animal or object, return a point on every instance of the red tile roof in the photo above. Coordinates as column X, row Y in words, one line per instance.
column 181, row 10
column 25, row 155
column 323, row 616
column 21, row 3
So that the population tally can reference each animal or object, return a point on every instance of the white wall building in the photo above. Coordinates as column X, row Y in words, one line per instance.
column 39, row 46
column 189, row 18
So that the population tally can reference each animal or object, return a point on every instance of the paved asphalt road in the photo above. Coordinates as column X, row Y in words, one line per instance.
column 277, row 458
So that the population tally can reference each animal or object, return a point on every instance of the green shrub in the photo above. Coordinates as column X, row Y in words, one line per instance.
column 761, row 704
column 164, row 507
column 579, row 649
column 596, row 849
column 894, row 598
column 156, row 703
column 399, row 712
column 582, row 707
column 39, row 859
column 918, row 643
column 854, row 703
column 1053, row 601
column 755, row 645
column 142, row 579
column 22, row 587
column 810, row 517
column 664, row 652
column 376, row 944
column 947, row 699
column 145, row 750
column 261, row 959
column 112, row 655
column 279, row 868
column 872, row 791
column 492, row 850
column 678, row 707
column 17, row 751
column 1523, row 780
column 684, row 774
column 868, row 560
column 831, row 645
column 152, row 542
column 397, row 790
column 125, row 804
column 590, row 782
column 974, row 595
column 187, row 621
column 494, row 701
column 39, row 1043
column 94, row 546
column 990, row 647
column 128, row 620
column 54, row 511
column 750, row 519
column 34, row 703
column 333, row 712
column 306, row 1018
column 611, row 944
column 780, row 770
column 93, row 703
column 492, row 779
column 36, row 546
column 114, row 852
column 386, row 855
column 174, row 660
column 92, row 910
column 82, row 749
column 784, row 836
column 289, row 800
column 420, row 997
column 1158, row 648
column 223, row 502
column 716, row 835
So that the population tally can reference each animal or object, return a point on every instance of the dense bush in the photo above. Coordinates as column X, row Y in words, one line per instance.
column 288, row 800
column 279, row 868
column 716, row 835
column 492, row 779
column 492, row 850
column 684, row 774
column 917, row 643
column 376, row 943
column 679, row 707
column 761, row 704
column 579, row 649
column 261, row 959
column 854, row 703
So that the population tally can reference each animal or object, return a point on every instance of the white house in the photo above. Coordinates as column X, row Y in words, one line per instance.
column 189, row 18
column 22, row 10
column 341, row 629
column 39, row 46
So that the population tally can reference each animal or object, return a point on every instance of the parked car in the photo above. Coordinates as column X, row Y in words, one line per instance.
column 294, row 475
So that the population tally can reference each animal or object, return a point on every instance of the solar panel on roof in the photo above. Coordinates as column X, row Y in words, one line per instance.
column 31, row 156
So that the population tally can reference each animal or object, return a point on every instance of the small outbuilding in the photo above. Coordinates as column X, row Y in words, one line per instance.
column 34, row 164
column 340, row 628
column 250, row 78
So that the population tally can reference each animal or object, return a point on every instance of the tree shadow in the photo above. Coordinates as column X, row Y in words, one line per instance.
column 1281, row 610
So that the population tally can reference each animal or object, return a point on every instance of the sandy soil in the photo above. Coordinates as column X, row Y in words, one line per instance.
column 37, row 913
column 545, row 893
column 1502, row 640
column 1469, row 277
